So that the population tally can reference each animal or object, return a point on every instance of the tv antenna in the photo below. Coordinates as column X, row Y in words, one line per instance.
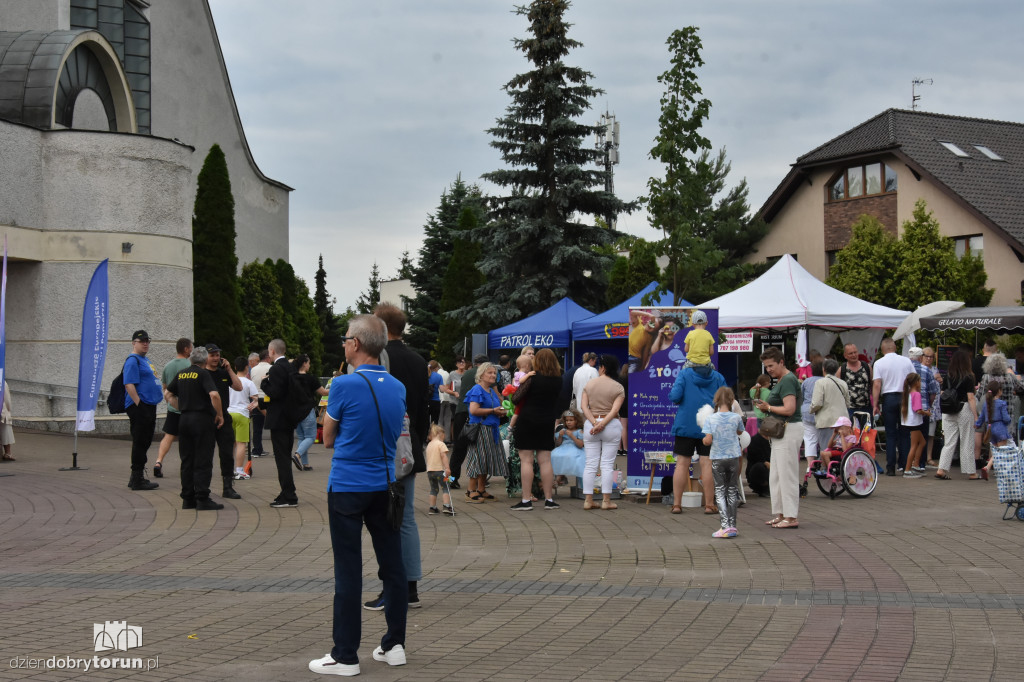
column 913, row 90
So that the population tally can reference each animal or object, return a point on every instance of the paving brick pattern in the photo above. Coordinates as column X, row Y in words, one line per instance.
column 921, row 581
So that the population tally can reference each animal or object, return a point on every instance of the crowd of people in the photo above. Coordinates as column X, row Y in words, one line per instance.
column 527, row 420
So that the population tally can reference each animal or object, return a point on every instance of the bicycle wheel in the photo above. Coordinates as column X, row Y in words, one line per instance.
column 859, row 474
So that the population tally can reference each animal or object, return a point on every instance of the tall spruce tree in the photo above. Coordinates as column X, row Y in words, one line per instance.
column 215, row 289
column 425, row 310
column 461, row 280
column 369, row 299
column 536, row 250
column 327, row 321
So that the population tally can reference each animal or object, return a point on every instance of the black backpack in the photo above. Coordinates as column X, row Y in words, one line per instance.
column 949, row 401
column 300, row 399
column 116, row 394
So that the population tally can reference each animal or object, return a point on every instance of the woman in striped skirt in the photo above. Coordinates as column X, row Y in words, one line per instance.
column 486, row 455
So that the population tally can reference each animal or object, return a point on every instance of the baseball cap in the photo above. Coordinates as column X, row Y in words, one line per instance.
column 140, row 335
column 212, row 348
column 842, row 421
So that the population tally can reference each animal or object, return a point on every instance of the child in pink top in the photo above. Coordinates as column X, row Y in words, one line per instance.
column 912, row 416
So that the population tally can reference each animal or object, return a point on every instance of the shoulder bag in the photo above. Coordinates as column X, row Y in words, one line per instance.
column 773, row 427
column 396, row 495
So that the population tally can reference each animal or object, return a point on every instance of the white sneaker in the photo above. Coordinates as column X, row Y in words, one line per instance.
column 394, row 657
column 241, row 476
column 328, row 666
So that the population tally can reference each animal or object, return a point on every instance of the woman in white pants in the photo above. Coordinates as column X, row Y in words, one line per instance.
column 784, row 472
column 959, row 426
column 600, row 404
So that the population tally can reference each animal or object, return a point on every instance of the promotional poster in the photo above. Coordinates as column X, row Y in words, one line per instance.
column 657, row 353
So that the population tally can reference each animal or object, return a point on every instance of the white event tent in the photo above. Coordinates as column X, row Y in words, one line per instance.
column 787, row 297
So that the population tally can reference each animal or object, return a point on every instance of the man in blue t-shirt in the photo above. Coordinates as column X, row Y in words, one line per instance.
column 142, row 393
column 365, row 411
column 435, row 381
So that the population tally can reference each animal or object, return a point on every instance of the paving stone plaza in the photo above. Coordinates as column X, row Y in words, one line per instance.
column 920, row 581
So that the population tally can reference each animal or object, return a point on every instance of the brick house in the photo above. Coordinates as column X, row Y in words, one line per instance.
column 970, row 172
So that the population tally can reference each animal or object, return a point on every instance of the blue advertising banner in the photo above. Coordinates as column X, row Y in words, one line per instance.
column 656, row 356
column 93, row 354
column 3, row 324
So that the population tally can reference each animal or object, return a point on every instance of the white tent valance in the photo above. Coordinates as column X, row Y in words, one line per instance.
column 788, row 296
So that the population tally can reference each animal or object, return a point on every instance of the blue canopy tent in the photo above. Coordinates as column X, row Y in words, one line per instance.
column 550, row 328
column 614, row 323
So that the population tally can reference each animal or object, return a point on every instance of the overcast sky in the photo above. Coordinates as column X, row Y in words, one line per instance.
column 371, row 109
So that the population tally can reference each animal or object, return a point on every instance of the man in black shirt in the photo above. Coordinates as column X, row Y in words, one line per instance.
column 224, row 378
column 277, row 387
column 195, row 395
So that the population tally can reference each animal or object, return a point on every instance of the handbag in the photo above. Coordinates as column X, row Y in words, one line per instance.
column 471, row 432
column 772, row 427
column 396, row 493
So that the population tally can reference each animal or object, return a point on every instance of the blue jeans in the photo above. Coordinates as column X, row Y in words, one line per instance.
column 306, row 431
column 410, row 533
column 897, row 438
column 347, row 512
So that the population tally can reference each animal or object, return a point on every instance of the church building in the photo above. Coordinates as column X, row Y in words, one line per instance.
column 108, row 109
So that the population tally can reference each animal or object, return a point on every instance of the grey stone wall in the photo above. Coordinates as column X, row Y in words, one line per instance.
column 79, row 196
column 193, row 102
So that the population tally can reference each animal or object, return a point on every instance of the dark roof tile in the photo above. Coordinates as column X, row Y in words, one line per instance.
column 994, row 188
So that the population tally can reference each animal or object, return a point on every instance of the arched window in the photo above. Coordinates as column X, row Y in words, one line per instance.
column 862, row 181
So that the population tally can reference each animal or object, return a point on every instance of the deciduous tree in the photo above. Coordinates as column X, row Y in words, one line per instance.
column 706, row 230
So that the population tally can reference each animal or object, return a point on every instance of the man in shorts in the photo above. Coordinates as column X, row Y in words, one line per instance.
column 183, row 349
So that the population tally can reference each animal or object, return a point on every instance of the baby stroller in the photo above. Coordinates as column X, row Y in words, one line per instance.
column 1008, row 463
column 849, row 470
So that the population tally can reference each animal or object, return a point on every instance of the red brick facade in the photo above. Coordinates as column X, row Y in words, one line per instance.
column 840, row 215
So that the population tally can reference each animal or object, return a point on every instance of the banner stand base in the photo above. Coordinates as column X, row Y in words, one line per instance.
column 74, row 462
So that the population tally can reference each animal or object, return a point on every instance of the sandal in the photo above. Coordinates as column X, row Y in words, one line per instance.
column 608, row 506
column 787, row 524
column 486, row 496
column 710, row 510
column 9, row 458
column 676, row 509
column 944, row 477
column 474, row 497
column 158, row 470
column 772, row 521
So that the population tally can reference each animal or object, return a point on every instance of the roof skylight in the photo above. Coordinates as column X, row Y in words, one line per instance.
column 956, row 150
column 988, row 152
